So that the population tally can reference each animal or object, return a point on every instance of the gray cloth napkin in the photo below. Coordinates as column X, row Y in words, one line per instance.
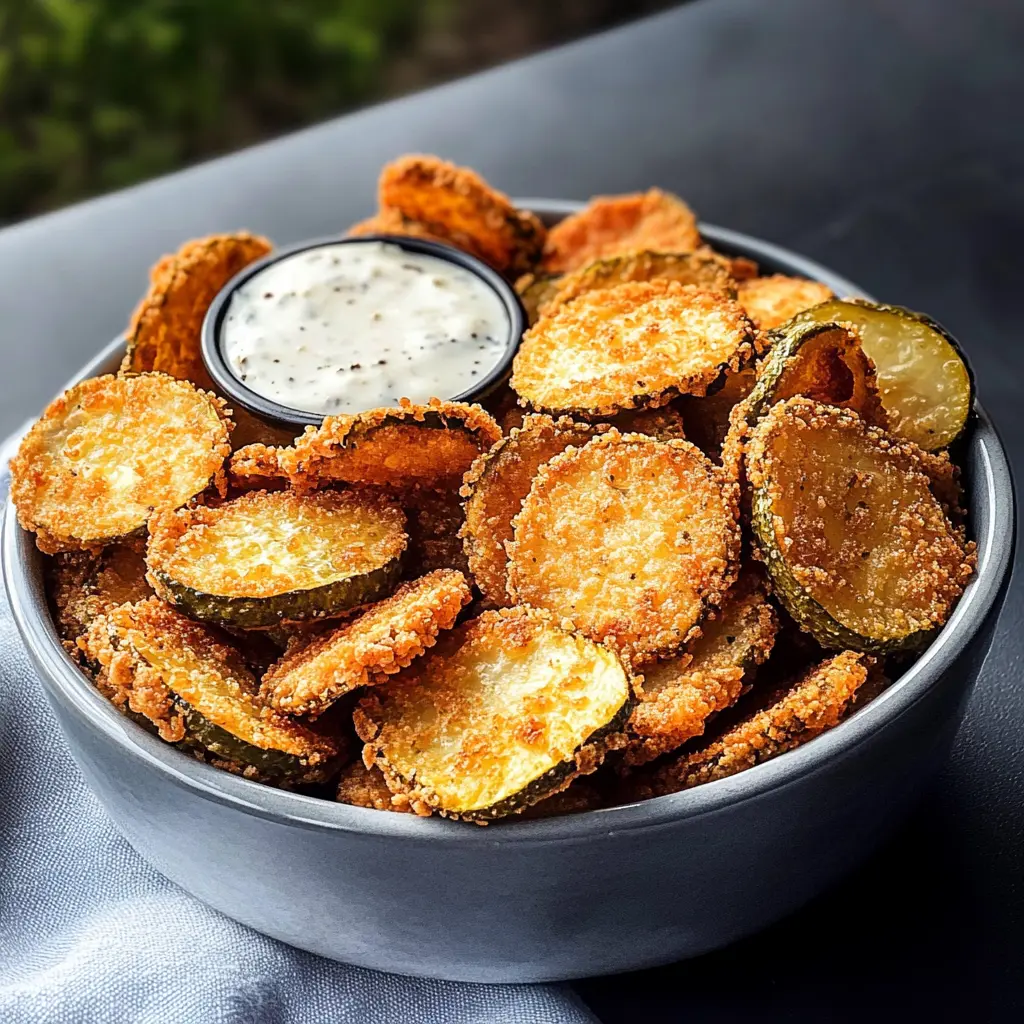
column 90, row 933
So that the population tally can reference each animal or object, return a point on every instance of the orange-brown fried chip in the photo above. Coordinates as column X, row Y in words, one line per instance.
column 457, row 203
column 164, row 333
column 383, row 639
column 613, row 225
column 412, row 445
column 771, row 301
column 634, row 345
column 629, row 538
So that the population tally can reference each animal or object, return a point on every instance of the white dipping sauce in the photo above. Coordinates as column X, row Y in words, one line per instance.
column 344, row 328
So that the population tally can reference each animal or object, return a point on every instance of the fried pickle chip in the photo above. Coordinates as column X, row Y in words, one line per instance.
column 857, row 547
column 385, row 638
column 428, row 445
column 508, row 710
column 813, row 704
column 629, row 538
column 703, row 269
column 664, row 423
column 613, row 225
column 457, row 202
column 680, row 694
column 268, row 557
column 494, row 489
column 165, row 328
column 110, row 451
column 634, row 345
column 83, row 586
column 771, row 301
column 197, row 692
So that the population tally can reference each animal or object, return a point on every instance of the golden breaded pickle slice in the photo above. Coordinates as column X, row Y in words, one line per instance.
column 771, row 301
column 680, row 694
column 613, row 225
column 164, row 333
column 197, row 691
column 494, row 489
column 508, row 710
column 385, row 638
column 457, row 202
column 634, row 345
column 814, row 703
column 703, row 269
column 411, row 445
column 857, row 547
column 269, row 557
column 110, row 451
column 630, row 538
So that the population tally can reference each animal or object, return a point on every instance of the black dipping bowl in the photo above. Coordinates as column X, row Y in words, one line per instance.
column 285, row 416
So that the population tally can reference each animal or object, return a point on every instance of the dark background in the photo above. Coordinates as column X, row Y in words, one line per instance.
column 883, row 139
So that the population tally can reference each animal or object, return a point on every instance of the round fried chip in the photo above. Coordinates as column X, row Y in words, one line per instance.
column 630, row 538
column 613, row 225
column 112, row 450
column 703, row 269
column 412, row 445
column 457, row 202
column 771, row 301
column 363, row 651
column 494, row 489
column 629, row 346
column 164, row 333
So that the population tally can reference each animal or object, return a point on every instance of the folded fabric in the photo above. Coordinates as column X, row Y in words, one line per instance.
column 90, row 933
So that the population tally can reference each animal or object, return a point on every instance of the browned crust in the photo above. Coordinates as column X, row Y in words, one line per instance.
column 664, row 423
column 814, row 703
column 69, row 509
column 384, row 639
column 771, row 301
column 360, row 786
column 457, row 202
column 175, row 537
column 702, row 269
column 637, row 344
column 612, row 225
column 164, row 333
column 411, row 445
column 494, row 488
column 255, row 468
column 600, row 518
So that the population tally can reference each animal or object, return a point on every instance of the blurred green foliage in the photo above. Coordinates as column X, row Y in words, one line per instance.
column 96, row 94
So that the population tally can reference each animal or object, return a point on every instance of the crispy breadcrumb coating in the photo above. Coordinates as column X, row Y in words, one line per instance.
column 164, row 333
column 382, row 640
column 507, row 710
column 629, row 538
column 614, row 225
column 255, row 468
column 457, row 202
column 703, row 269
column 771, row 301
column 814, row 703
column 707, row 416
column 495, row 486
column 664, row 424
column 428, row 445
column 110, row 451
column 845, row 517
column 633, row 345
column 680, row 694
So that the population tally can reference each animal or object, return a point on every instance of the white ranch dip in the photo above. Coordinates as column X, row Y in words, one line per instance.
column 344, row 328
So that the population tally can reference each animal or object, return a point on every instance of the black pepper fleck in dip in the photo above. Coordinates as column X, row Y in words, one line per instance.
column 325, row 330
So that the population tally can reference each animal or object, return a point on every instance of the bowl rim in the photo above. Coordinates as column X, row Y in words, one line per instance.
column 65, row 683
column 279, row 415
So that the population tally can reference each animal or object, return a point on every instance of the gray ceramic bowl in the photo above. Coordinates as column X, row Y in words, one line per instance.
column 593, row 893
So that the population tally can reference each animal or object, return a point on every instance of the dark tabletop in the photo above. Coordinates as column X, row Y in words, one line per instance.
column 882, row 138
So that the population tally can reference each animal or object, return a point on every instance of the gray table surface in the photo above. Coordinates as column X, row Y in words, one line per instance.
column 880, row 138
